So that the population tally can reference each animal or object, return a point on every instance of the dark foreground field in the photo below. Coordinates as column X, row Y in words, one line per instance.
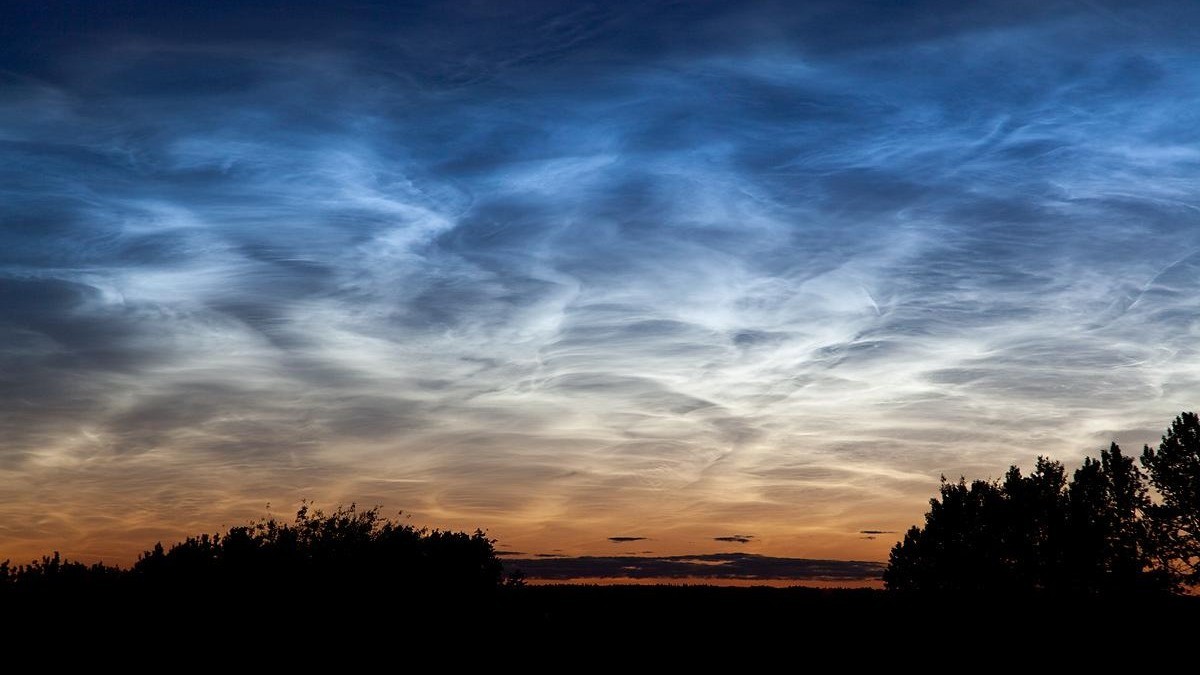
column 695, row 616
column 817, row 611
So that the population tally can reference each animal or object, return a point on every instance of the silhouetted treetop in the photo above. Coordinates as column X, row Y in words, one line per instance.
column 1099, row 533
column 1174, row 472
column 346, row 551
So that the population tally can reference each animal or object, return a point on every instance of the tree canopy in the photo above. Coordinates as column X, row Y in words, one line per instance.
column 1113, row 528
column 348, row 551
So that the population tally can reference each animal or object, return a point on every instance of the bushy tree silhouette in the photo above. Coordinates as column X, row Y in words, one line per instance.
column 1099, row 533
column 958, row 547
column 1032, row 521
column 1109, row 547
column 54, row 576
column 348, row 552
column 1174, row 472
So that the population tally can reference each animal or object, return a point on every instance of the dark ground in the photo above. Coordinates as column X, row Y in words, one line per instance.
column 575, row 625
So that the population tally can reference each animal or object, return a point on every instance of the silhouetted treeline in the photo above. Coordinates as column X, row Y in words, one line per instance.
column 345, row 553
column 1113, row 528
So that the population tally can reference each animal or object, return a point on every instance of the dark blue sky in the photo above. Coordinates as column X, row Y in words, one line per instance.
column 571, row 271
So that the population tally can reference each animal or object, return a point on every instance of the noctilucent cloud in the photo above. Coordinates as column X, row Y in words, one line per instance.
column 605, row 279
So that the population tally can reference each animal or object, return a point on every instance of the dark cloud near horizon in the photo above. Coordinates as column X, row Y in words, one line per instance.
column 734, row 261
column 736, row 538
column 747, row 566
column 877, row 532
column 622, row 540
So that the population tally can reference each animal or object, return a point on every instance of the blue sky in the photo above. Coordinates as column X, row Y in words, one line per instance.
column 571, row 271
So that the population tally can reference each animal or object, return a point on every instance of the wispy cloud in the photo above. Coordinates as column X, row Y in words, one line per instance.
column 554, row 271
column 714, row 566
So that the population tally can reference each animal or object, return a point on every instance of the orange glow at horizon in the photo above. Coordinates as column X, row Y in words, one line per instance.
column 552, row 271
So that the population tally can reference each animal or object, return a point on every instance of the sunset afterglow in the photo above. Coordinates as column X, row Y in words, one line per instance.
column 655, row 279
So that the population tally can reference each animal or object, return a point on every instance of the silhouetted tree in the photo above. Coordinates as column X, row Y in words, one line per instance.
column 346, row 554
column 1032, row 520
column 1041, row 534
column 1109, row 545
column 959, row 547
column 347, row 551
column 1174, row 470
column 52, row 575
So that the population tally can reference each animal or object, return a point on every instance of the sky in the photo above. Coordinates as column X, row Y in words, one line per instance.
column 610, row 279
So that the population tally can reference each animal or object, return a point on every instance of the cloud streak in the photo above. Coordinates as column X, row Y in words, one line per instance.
column 551, row 270
column 713, row 566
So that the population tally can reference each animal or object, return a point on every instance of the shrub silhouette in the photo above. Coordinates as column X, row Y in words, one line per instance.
column 54, row 576
column 346, row 553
